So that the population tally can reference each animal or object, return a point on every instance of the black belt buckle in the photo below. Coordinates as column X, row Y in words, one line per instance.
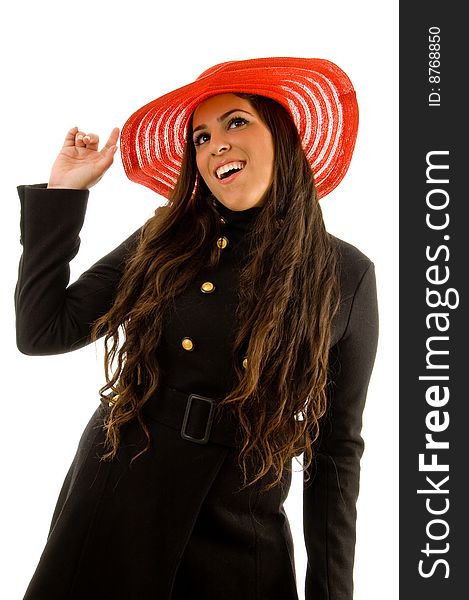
column 208, row 424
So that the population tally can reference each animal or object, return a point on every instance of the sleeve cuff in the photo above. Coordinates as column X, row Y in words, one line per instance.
column 44, row 209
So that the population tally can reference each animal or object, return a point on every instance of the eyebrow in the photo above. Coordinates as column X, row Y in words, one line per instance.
column 222, row 117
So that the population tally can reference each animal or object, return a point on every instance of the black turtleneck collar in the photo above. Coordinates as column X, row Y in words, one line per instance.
column 237, row 217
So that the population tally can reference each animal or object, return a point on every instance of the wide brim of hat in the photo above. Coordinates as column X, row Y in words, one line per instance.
column 317, row 93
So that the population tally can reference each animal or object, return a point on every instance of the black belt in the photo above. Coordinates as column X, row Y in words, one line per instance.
column 194, row 416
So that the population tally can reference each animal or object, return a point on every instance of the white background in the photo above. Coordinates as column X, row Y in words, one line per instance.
column 92, row 64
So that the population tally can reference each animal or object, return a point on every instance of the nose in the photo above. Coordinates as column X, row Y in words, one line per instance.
column 218, row 144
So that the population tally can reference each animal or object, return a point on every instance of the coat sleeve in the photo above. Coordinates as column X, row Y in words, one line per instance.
column 53, row 317
column 330, row 495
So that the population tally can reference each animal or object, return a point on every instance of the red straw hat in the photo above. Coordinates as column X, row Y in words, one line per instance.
column 319, row 96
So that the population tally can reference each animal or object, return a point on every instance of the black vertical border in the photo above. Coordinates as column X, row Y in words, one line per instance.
column 426, row 127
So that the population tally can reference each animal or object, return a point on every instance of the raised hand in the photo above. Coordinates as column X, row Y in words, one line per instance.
column 80, row 164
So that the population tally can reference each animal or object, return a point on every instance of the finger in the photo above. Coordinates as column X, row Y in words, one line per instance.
column 106, row 157
column 91, row 141
column 70, row 137
column 112, row 140
column 79, row 143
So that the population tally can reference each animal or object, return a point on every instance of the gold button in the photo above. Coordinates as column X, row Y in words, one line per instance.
column 187, row 344
column 245, row 363
column 222, row 221
column 113, row 400
column 222, row 242
column 207, row 287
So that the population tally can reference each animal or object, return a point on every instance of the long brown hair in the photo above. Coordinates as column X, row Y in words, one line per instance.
column 288, row 295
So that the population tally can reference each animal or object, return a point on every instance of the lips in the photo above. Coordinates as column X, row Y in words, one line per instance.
column 228, row 168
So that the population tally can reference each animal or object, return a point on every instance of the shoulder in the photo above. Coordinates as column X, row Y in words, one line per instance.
column 352, row 266
column 355, row 271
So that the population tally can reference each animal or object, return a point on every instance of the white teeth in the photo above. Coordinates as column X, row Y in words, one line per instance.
column 229, row 167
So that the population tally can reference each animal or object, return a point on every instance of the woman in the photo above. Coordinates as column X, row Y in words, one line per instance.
column 238, row 334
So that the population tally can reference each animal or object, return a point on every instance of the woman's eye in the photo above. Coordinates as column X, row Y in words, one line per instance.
column 233, row 123
column 236, row 122
column 201, row 139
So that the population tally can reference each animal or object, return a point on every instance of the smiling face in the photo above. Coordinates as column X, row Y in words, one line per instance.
column 234, row 151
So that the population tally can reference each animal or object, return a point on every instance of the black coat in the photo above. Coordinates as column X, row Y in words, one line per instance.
column 174, row 524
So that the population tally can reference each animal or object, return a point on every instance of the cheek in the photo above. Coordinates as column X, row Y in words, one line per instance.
column 268, row 148
column 269, row 157
column 200, row 167
column 198, row 162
